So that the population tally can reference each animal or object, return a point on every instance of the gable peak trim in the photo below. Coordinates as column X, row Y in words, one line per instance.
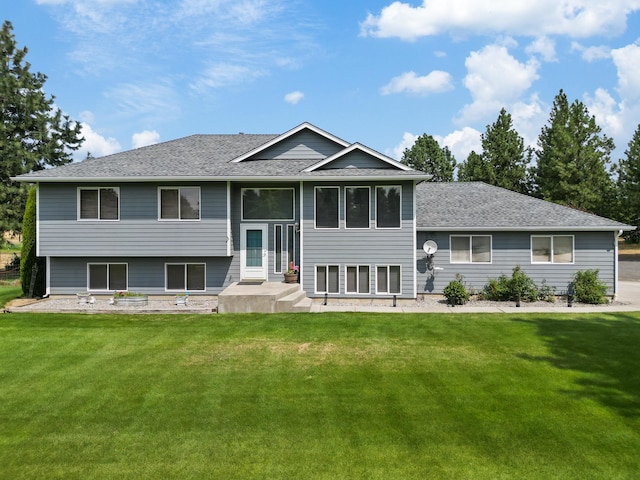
column 362, row 148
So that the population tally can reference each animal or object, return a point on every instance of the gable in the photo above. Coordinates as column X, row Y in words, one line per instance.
column 303, row 145
column 357, row 159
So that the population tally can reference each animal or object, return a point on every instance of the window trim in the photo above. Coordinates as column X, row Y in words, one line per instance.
column 178, row 188
column 185, row 289
column 278, row 249
column 471, row 262
column 387, row 267
column 293, row 205
column 98, row 219
column 346, row 279
column 399, row 227
column 315, row 278
column 108, row 264
column 346, row 221
column 552, row 262
column 315, row 208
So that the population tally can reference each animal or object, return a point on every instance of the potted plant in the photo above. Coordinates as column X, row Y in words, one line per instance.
column 291, row 275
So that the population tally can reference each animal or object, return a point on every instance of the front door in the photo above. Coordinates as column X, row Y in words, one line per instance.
column 253, row 251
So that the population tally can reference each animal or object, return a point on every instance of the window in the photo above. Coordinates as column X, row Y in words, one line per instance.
column 327, row 205
column 388, row 279
column 107, row 276
column 99, row 203
column 388, row 203
column 357, row 207
column 267, row 204
column 180, row 203
column 552, row 249
column 327, row 279
column 277, row 243
column 291, row 244
column 358, row 279
column 185, row 277
column 470, row 249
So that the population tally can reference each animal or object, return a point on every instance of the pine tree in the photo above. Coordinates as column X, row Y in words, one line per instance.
column 629, row 184
column 31, row 265
column 572, row 159
column 427, row 156
column 33, row 133
column 474, row 169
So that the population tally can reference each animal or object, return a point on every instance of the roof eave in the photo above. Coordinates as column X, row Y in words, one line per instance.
column 221, row 178
column 531, row 228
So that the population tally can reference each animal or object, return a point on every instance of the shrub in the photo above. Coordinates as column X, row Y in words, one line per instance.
column 496, row 290
column 588, row 288
column 518, row 286
column 455, row 292
column 546, row 293
column 28, row 259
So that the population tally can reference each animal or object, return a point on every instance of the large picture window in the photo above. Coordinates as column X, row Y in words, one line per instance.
column 358, row 279
column 470, row 249
column 267, row 204
column 327, row 207
column 107, row 276
column 327, row 279
column 552, row 249
column 180, row 203
column 388, row 279
column 185, row 277
column 357, row 210
column 388, row 206
column 99, row 203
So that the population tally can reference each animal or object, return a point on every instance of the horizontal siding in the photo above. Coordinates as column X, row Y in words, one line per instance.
column 350, row 247
column 301, row 146
column 358, row 159
column 138, row 232
column 145, row 275
column 593, row 250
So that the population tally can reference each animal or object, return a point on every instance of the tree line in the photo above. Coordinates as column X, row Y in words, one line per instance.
column 571, row 164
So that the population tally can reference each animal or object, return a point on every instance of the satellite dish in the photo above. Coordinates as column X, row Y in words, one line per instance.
column 430, row 247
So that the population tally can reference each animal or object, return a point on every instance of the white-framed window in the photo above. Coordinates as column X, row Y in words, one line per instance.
column 179, row 203
column 388, row 279
column 327, row 279
column 185, row 277
column 268, row 204
column 357, row 210
column 99, row 203
column 470, row 248
column 278, row 248
column 327, row 207
column 357, row 279
column 107, row 277
column 552, row 248
column 388, row 206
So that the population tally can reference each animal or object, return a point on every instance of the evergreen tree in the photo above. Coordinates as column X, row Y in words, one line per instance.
column 427, row 156
column 629, row 184
column 474, row 169
column 29, row 263
column 33, row 133
column 572, row 159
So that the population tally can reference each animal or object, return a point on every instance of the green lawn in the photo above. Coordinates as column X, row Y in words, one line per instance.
column 327, row 396
column 9, row 291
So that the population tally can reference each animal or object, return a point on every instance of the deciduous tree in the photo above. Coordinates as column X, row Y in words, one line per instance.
column 34, row 133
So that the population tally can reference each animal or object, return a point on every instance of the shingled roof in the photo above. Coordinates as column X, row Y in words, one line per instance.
column 476, row 206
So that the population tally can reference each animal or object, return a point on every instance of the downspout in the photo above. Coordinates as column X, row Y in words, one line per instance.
column 615, row 276
column 415, row 244
column 228, row 219
column 300, row 220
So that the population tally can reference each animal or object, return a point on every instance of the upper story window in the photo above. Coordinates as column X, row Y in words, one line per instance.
column 357, row 201
column 388, row 206
column 470, row 248
column 267, row 204
column 179, row 203
column 552, row 249
column 327, row 207
column 100, row 203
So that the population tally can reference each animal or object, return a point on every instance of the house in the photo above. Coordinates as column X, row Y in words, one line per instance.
column 201, row 213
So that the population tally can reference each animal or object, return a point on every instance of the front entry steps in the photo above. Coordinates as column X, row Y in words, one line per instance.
column 263, row 297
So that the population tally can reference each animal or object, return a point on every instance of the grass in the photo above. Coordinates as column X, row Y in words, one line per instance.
column 323, row 396
column 9, row 291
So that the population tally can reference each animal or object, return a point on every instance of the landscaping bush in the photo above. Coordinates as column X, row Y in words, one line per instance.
column 588, row 288
column 518, row 286
column 455, row 292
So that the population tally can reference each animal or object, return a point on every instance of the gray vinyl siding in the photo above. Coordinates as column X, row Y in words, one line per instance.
column 305, row 145
column 357, row 159
column 592, row 250
column 138, row 232
column 68, row 275
column 351, row 247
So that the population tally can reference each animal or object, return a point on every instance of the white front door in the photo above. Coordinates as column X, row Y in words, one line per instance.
column 253, row 251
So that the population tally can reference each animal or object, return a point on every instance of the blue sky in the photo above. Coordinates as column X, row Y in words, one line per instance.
column 137, row 72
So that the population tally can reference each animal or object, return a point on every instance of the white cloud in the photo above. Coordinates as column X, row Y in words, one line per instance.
column 224, row 75
column 627, row 60
column 575, row 18
column 144, row 138
column 435, row 82
column 408, row 139
column 155, row 100
column 495, row 79
column 607, row 112
column 95, row 144
column 545, row 47
column 293, row 97
column 591, row 54
column 461, row 142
